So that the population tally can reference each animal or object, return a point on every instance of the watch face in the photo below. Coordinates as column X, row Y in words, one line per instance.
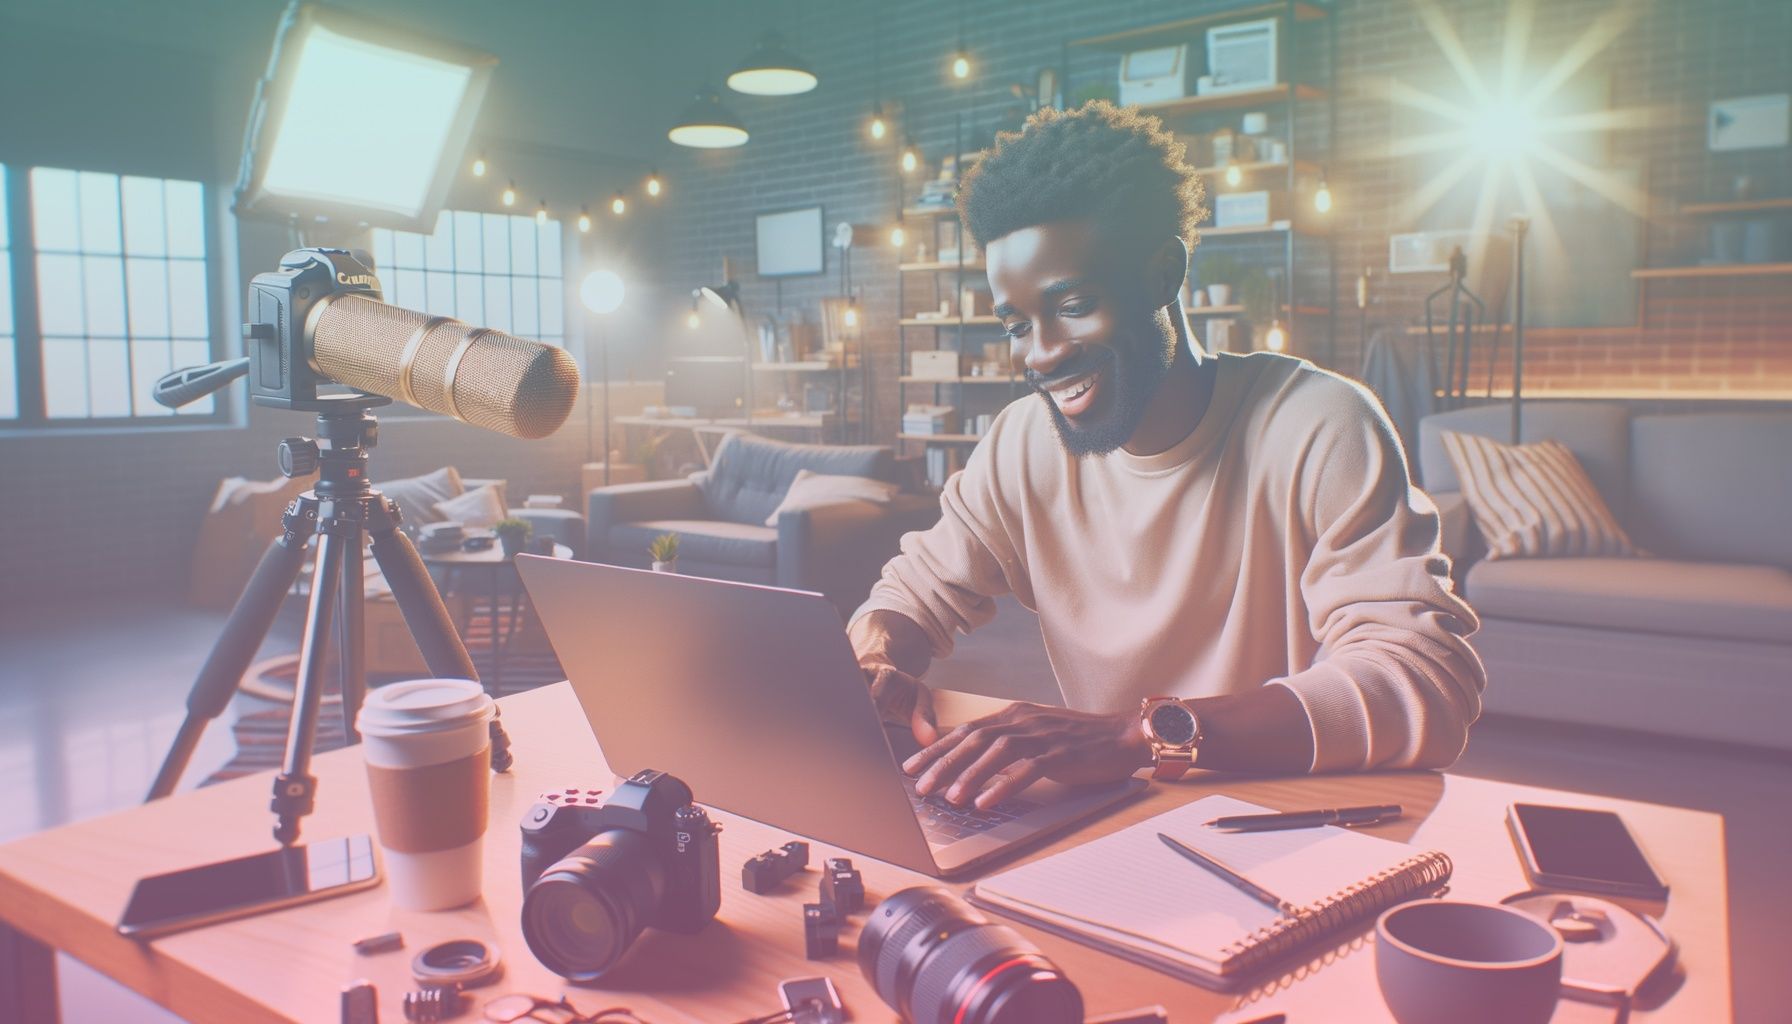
column 1173, row 724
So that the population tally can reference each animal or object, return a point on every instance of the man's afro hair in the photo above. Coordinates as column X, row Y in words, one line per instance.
column 1112, row 164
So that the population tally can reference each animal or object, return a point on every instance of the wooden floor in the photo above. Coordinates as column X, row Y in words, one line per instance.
column 90, row 694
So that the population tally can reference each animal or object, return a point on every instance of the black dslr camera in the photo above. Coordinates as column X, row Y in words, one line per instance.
column 595, row 876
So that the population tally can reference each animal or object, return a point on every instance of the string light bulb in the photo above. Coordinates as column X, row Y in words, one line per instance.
column 618, row 205
column 653, row 184
column 509, row 195
column 910, row 158
column 851, row 317
column 898, row 236
column 879, row 127
column 1276, row 340
column 584, row 221
column 1234, row 173
column 961, row 66
column 1322, row 199
column 479, row 166
column 541, row 212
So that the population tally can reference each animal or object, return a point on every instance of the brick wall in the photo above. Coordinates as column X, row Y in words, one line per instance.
column 1696, row 339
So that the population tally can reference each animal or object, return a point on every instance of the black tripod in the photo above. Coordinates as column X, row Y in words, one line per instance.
column 342, row 511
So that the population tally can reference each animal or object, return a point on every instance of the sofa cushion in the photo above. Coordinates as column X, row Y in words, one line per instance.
column 417, row 495
column 479, row 508
column 1644, row 595
column 749, row 475
column 1713, row 486
column 1598, row 433
column 1533, row 500
column 813, row 490
column 699, row 540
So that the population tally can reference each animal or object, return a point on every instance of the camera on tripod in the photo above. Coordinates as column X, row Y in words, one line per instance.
column 594, row 877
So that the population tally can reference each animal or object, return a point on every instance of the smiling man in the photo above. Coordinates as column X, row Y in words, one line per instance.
column 1231, row 566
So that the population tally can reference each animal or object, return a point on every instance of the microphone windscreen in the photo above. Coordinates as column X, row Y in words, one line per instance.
column 480, row 376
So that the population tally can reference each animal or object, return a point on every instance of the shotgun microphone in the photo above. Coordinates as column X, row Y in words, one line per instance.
column 319, row 320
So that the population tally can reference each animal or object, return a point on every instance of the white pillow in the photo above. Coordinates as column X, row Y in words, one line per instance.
column 417, row 495
column 811, row 490
column 1534, row 500
column 478, row 509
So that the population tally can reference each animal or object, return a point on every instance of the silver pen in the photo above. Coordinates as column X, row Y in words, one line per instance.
column 1238, row 881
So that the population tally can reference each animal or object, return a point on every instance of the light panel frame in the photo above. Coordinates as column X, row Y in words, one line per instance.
column 274, row 96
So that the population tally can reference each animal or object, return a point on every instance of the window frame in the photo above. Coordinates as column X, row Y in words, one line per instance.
column 28, row 338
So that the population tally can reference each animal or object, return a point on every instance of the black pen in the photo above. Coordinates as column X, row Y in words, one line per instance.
column 1307, row 819
column 1238, row 881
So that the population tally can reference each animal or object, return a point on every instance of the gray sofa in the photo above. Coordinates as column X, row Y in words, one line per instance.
column 1695, row 640
column 719, row 515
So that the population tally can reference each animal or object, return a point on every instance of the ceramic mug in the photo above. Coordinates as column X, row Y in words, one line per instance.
column 1467, row 963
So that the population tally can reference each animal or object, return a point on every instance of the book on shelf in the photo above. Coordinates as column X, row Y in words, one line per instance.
column 941, row 464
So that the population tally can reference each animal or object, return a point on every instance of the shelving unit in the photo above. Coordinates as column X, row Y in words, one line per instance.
column 1295, row 31
column 961, row 328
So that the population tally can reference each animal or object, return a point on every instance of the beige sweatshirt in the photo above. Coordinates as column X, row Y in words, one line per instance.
column 1280, row 543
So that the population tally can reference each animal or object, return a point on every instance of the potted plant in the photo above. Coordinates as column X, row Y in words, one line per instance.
column 513, row 535
column 664, row 550
column 1219, row 274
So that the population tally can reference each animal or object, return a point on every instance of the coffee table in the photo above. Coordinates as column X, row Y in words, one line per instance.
column 499, row 570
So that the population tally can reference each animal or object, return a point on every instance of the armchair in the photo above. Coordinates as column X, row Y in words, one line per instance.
column 719, row 514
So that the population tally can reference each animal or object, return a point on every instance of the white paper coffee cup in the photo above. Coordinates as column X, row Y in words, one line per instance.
column 427, row 743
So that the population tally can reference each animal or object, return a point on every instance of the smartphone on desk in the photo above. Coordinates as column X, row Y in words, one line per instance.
column 1582, row 851
column 178, row 900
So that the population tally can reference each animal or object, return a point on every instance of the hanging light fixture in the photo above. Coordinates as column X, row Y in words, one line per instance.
column 1276, row 339
column 509, row 195
column 584, row 221
column 961, row 65
column 911, row 157
column 541, row 212
column 772, row 70
column 707, row 124
column 1322, row 199
column 479, row 166
column 653, row 183
column 851, row 317
column 879, row 127
column 618, row 205
column 898, row 236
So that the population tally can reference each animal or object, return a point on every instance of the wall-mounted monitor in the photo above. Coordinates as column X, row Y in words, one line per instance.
column 790, row 243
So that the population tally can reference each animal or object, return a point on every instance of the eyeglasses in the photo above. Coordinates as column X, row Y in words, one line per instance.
column 522, row 1006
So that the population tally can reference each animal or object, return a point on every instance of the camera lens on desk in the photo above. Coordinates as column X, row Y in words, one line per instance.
column 584, row 912
column 936, row 960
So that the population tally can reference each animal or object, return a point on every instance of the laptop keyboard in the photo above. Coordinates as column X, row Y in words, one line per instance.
column 944, row 823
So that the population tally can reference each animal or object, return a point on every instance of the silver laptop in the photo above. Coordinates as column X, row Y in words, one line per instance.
column 752, row 695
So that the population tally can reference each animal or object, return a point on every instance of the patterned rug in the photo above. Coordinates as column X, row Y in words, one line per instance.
column 260, row 723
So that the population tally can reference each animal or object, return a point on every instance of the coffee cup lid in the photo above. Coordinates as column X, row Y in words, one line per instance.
column 423, row 705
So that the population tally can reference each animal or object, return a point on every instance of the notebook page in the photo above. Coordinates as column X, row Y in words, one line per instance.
column 1129, row 888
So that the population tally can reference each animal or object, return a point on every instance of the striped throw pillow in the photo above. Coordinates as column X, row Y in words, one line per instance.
column 1534, row 500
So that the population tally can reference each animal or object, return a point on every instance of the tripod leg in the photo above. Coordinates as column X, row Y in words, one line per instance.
column 243, row 634
column 294, row 787
column 352, row 663
column 428, row 620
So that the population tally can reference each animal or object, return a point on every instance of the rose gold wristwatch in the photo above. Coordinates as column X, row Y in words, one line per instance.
column 1174, row 732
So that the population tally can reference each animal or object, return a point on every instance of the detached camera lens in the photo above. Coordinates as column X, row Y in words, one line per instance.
column 582, row 914
column 936, row 960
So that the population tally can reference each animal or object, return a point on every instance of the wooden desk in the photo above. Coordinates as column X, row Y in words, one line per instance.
column 63, row 889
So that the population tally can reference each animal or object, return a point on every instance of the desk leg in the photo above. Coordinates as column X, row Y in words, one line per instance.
column 27, row 978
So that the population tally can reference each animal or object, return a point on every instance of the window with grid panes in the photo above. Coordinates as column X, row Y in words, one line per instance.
column 122, row 291
column 9, row 356
column 487, row 269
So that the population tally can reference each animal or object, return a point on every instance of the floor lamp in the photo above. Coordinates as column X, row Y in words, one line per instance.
column 602, row 292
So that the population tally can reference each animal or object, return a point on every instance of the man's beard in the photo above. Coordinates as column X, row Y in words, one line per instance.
column 1133, row 373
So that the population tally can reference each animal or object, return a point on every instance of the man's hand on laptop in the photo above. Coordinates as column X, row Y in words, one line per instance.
column 903, row 700
column 995, row 757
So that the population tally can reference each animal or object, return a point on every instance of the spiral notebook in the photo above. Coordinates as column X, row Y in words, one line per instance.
column 1130, row 895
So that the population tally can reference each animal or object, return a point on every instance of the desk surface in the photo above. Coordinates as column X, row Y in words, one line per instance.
column 67, row 886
